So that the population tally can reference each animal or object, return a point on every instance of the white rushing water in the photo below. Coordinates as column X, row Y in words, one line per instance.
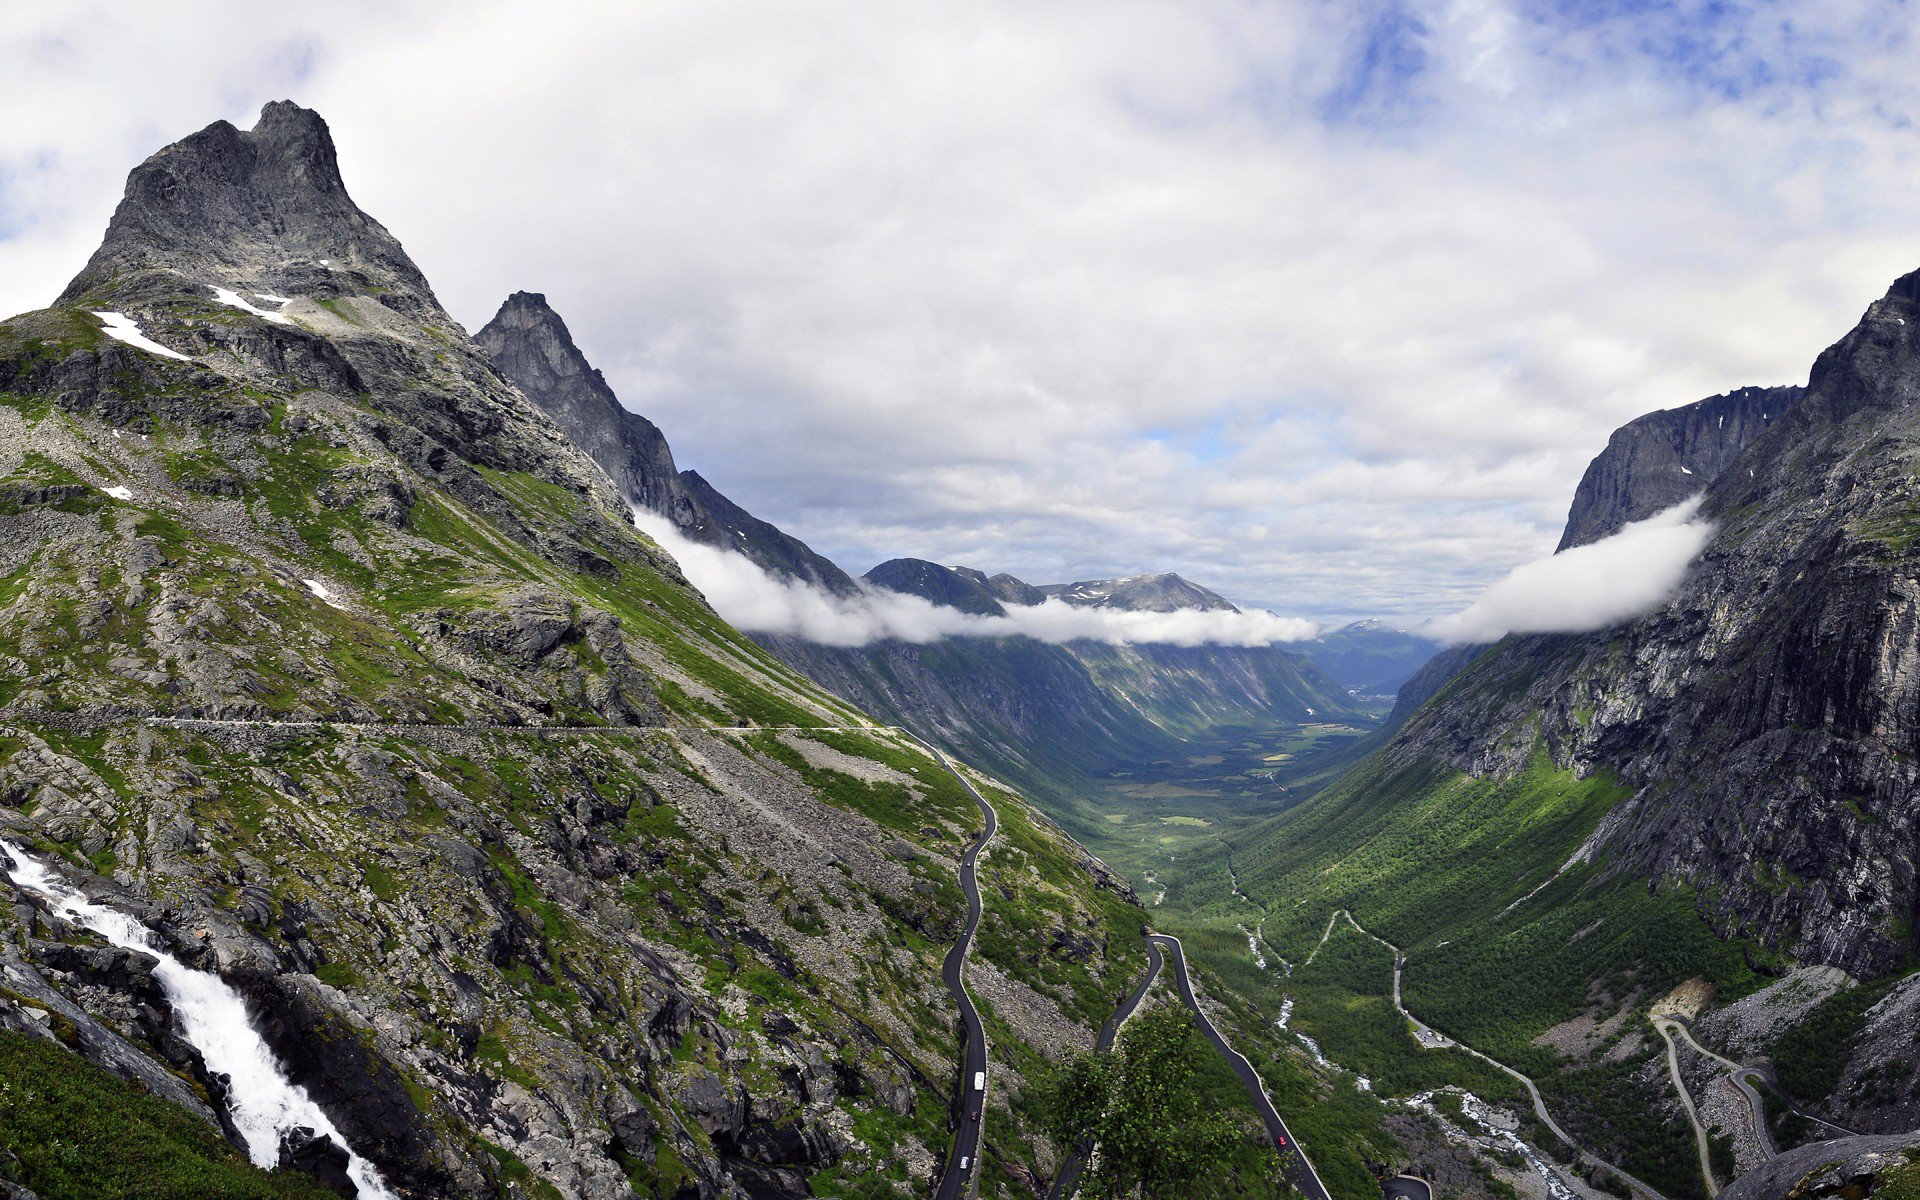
column 263, row 1102
column 1482, row 1114
column 1253, row 948
column 1286, row 1012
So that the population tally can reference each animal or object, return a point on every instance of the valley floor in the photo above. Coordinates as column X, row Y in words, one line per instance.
column 1557, row 1071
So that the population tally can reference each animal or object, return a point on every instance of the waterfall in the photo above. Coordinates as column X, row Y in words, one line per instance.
column 262, row 1101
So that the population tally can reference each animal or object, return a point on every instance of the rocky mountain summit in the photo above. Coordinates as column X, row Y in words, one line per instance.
column 264, row 208
column 332, row 662
column 963, row 588
column 1165, row 592
column 530, row 345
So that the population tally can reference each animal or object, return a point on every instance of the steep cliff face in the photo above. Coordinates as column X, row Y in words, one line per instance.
column 1761, row 724
column 1764, row 716
column 531, row 346
column 330, row 658
column 1658, row 460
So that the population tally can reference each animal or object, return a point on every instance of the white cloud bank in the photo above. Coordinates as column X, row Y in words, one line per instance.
column 1325, row 304
column 755, row 601
column 1588, row 587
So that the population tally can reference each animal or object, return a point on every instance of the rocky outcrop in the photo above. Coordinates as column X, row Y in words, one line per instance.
column 1658, row 460
column 212, row 209
column 532, row 347
column 1856, row 1168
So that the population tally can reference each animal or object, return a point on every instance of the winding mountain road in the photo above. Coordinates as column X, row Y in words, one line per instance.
column 1435, row 1040
column 963, row 1160
column 1741, row 1075
column 1665, row 1028
column 1299, row 1169
column 1070, row 1171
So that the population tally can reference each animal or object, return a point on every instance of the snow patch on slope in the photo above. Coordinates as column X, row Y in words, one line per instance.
column 233, row 299
column 121, row 327
column 322, row 591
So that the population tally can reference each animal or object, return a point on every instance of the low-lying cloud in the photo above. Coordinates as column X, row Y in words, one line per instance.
column 1588, row 587
column 757, row 602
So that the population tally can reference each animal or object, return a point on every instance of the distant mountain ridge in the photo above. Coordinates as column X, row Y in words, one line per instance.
column 1370, row 657
column 1029, row 708
column 971, row 590
column 1161, row 593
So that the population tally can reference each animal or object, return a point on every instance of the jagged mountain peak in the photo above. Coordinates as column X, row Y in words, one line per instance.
column 530, row 311
column 264, row 208
column 527, row 331
column 530, row 344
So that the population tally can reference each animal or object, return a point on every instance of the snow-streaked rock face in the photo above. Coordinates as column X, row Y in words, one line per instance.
column 256, row 209
column 1164, row 592
column 233, row 299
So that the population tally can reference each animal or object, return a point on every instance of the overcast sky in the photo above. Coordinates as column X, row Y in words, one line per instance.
column 1323, row 305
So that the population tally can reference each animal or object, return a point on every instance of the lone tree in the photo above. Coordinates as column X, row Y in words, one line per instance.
column 1155, row 1131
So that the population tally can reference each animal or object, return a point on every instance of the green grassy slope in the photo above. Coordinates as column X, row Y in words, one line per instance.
column 71, row 1131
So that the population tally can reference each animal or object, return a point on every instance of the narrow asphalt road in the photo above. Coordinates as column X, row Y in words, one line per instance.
column 1741, row 1073
column 1407, row 1187
column 1069, row 1177
column 1299, row 1169
column 963, row 1161
column 1665, row 1029
column 1759, row 1106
